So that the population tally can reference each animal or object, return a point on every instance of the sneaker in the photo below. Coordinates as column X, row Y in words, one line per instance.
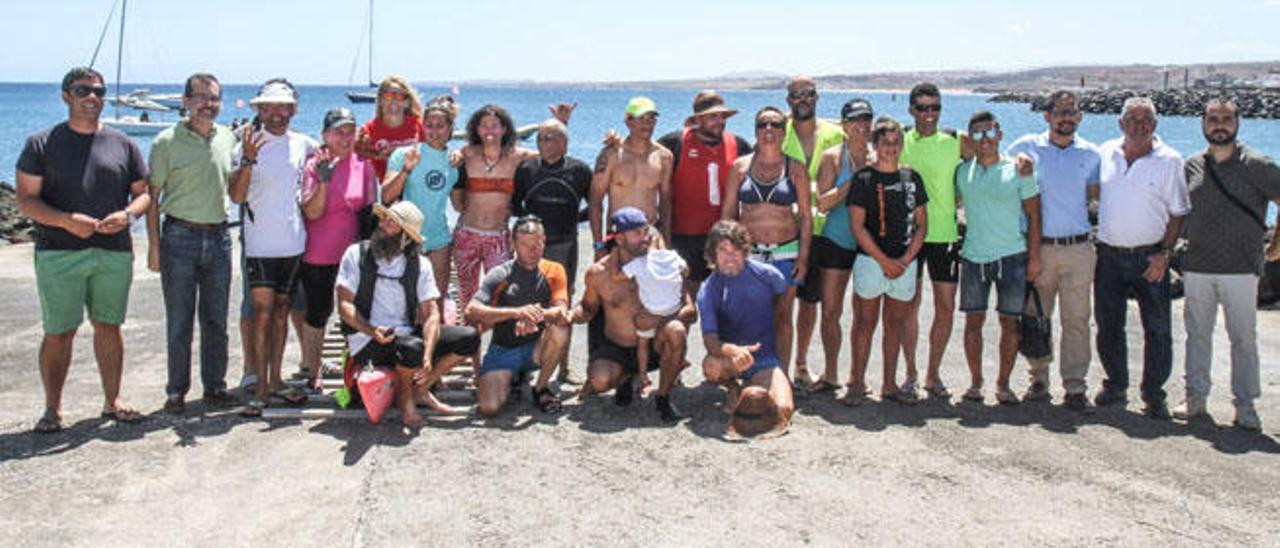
column 1038, row 391
column 221, row 398
column 1107, row 397
column 666, row 411
column 1156, row 411
column 174, row 405
column 249, row 383
column 330, row 369
column 1247, row 419
column 1193, row 407
column 1078, row 403
column 624, row 393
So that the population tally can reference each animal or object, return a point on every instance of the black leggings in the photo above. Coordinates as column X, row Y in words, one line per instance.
column 317, row 287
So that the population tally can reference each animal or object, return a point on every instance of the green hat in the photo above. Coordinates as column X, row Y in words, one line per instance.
column 640, row 106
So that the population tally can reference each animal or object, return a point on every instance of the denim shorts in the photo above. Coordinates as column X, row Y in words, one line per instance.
column 514, row 358
column 1009, row 274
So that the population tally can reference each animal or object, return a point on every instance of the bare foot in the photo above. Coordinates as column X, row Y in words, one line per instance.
column 731, row 397
column 428, row 399
column 411, row 417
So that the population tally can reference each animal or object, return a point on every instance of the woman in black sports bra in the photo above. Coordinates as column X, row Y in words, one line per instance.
column 761, row 192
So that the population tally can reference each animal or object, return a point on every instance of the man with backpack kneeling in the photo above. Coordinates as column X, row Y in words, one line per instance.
column 388, row 306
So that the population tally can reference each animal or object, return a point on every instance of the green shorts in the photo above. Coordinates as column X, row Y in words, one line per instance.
column 70, row 280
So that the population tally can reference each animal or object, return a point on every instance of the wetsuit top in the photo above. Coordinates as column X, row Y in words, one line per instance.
column 779, row 192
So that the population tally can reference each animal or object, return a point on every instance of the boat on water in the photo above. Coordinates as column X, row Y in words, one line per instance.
column 138, row 99
column 136, row 126
column 366, row 96
column 362, row 96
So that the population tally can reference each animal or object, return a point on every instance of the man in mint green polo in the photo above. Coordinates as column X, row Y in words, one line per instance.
column 190, row 169
column 997, row 250
column 807, row 138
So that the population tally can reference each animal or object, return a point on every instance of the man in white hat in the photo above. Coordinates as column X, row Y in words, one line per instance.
column 388, row 306
column 266, row 183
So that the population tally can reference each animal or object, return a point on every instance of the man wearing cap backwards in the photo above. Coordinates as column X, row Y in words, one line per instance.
column 636, row 173
column 190, row 166
column 702, row 153
column 526, row 300
column 613, row 362
column 387, row 300
column 267, row 183
column 806, row 139
column 736, row 306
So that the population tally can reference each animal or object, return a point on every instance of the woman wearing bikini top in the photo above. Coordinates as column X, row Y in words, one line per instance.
column 761, row 192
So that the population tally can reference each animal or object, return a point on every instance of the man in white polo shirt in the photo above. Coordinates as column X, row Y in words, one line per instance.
column 1143, row 200
column 267, row 182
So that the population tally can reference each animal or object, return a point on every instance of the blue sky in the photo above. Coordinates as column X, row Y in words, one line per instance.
column 553, row 40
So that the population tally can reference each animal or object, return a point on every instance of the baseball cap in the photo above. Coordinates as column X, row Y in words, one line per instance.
column 627, row 218
column 340, row 116
column 640, row 106
column 855, row 108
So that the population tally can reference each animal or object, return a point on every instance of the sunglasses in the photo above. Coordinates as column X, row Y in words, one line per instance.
column 991, row 133
column 394, row 96
column 928, row 108
column 770, row 125
column 84, row 91
column 803, row 94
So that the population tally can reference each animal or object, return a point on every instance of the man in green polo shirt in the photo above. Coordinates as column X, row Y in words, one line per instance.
column 190, row 167
column 997, row 251
column 806, row 139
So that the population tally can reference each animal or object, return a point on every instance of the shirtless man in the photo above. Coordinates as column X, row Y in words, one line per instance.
column 636, row 173
column 612, row 363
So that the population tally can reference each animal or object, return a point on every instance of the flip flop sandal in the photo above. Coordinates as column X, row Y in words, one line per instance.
column 854, row 397
column 48, row 425
column 973, row 394
column 1007, row 397
column 938, row 391
column 253, row 409
column 823, row 385
column 547, row 402
column 291, row 395
column 900, row 397
column 126, row 416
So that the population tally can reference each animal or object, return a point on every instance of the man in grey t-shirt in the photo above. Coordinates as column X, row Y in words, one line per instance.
column 1230, row 185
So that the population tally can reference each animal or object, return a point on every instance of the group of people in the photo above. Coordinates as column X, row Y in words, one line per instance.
column 695, row 227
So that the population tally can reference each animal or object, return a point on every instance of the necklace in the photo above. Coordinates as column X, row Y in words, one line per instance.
column 489, row 166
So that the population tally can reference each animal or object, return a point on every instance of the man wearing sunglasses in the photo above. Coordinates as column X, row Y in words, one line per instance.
column 635, row 173
column 806, row 139
column 1067, row 170
column 996, row 251
column 190, row 169
column 82, row 183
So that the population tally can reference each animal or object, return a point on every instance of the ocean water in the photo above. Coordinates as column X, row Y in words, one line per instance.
column 28, row 108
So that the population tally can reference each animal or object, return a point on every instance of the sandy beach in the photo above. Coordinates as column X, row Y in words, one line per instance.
column 598, row 474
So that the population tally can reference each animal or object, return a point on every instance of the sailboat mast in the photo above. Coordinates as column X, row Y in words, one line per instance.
column 371, row 84
column 124, row 9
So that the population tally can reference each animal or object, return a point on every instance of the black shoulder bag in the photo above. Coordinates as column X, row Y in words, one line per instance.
column 1036, row 330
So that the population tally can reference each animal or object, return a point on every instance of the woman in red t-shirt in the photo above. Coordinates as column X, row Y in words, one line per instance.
column 397, row 122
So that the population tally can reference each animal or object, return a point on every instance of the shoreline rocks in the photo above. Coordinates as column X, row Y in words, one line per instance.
column 15, row 227
column 1253, row 102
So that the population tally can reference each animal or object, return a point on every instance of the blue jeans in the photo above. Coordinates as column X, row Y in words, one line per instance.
column 195, row 274
column 1118, row 272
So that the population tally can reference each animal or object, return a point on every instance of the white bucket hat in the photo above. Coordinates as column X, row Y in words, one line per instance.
column 275, row 92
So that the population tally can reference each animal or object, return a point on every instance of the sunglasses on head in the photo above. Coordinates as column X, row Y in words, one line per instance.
column 527, row 219
column 990, row 133
column 84, row 91
column 803, row 94
column 770, row 125
column 929, row 108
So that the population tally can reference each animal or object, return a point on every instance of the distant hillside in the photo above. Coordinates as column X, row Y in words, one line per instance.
column 1038, row 79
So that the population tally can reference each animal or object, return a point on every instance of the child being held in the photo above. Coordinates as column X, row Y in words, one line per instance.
column 659, row 275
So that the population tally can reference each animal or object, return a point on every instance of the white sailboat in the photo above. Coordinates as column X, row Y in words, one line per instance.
column 366, row 96
column 138, row 99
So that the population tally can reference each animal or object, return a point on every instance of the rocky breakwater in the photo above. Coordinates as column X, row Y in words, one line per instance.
column 1253, row 102
column 14, row 226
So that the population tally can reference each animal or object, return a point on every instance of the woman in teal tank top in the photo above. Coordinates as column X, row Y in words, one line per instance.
column 423, row 175
column 835, row 248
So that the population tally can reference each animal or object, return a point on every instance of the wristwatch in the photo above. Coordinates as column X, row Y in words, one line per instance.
column 245, row 161
column 597, row 246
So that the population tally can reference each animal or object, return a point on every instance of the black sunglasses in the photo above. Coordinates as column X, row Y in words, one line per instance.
column 527, row 219
column 770, row 125
column 929, row 108
column 803, row 94
column 84, row 91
